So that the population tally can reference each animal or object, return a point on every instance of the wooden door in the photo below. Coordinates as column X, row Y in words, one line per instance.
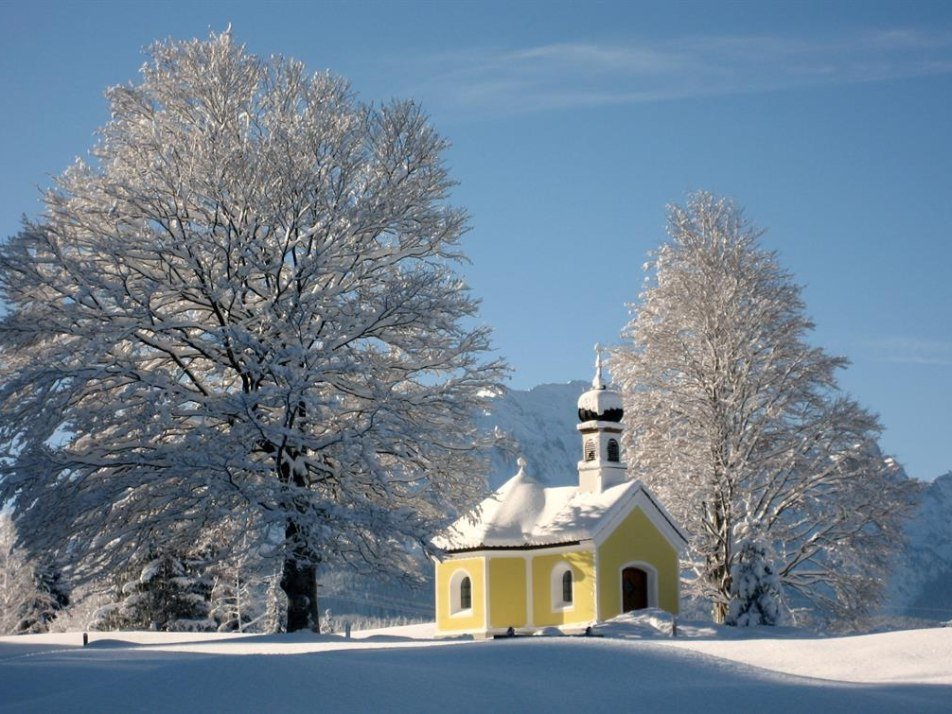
column 634, row 589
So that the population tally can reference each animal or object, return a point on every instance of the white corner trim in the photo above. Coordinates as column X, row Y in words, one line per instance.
column 486, row 593
column 530, row 605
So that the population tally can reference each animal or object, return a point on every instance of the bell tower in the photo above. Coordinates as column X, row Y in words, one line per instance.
column 599, row 413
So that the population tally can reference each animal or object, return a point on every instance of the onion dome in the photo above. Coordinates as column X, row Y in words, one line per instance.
column 600, row 403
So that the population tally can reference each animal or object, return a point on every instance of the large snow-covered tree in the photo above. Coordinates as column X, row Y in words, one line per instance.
column 246, row 306
column 734, row 417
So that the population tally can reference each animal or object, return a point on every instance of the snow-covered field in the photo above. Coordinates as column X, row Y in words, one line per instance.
column 633, row 666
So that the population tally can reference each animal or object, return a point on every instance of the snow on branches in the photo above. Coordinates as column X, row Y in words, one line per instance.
column 246, row 308
column 733, row 416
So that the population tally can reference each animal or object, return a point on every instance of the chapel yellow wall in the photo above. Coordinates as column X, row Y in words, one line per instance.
column 583, row 593
column 476, row 619
column 507, row 593
column 636, row 539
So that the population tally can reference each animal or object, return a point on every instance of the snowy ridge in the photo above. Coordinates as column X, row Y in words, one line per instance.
column 921, row 586
column 540, row 423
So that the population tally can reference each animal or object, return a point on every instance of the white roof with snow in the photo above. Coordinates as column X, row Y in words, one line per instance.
column 524, row 513
column 599, row 401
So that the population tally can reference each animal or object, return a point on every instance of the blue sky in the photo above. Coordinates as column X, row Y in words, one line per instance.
column 573, row 124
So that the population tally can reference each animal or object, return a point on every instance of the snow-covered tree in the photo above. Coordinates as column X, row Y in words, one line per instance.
column 275, row 617
column 239, row 589
column 245, row 307
column 733, row 416
column 167, row 592
column 235, row 603
column 16, row 578
column 50, row 596
column 755, row 587
column 32, row 594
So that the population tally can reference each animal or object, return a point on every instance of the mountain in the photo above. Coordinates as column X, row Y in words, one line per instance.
column 921, row 586
column 539, row 425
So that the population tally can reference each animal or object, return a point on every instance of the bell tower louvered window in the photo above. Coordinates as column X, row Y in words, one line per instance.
column 590, row 449
column 613, row 451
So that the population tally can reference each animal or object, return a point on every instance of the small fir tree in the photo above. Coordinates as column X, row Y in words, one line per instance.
column 275, row 619
column 755, row 587
column 50, row 596
column 166, row 593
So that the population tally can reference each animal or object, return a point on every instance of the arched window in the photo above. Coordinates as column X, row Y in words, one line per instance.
column 465, row 594
column 590, row 449
column 563, row 587
column 613, row 450
column 461, row 594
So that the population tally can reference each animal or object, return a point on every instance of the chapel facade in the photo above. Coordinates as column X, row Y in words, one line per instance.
column 569, row 557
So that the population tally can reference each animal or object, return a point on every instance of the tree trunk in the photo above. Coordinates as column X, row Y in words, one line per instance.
column 719, row 613
column 299, row 583
column 299, row 574
column 718, row 563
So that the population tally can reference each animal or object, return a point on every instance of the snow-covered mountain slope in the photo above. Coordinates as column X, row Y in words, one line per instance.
column 922, row 583
column 540, row 426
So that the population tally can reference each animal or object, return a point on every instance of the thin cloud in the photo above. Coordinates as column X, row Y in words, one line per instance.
column 905, row 350
column 582, row 74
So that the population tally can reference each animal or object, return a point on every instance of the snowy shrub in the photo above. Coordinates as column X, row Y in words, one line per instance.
column 755, row 587
column 275, row 618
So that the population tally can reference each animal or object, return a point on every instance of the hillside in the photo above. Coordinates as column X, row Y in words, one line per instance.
column 922, row 584
column 540, row 426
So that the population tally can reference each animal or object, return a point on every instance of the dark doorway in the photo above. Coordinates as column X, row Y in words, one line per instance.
column 634, row 589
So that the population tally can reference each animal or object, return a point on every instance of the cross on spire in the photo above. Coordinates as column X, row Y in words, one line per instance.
column 598, row 382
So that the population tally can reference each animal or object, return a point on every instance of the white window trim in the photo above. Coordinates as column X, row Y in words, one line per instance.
column 558, row 604
column 456, row 581
column 652, row 581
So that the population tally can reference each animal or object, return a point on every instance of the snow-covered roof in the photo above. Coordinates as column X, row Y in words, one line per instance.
column 524, row 513
column 599, row 401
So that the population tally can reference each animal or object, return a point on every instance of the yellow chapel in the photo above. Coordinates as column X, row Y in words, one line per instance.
column 569, row 557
